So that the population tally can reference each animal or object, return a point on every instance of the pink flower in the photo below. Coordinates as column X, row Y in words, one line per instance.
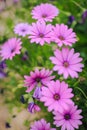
column 10, row 48
column 41, row 125
column 32, row 107
column 22, row 29
column 69, row 119
column 56, row 95
column 40, row 33
column 37, row 77
column 63, row 35
column 67, row 62
column 45, row 12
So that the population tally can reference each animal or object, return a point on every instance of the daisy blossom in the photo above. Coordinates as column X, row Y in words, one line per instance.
column 69, row 119
column 45, row 12
column 10, row 48
column 63, row 35
column 67, row 62
column 40, row 33
column 41, row 125
column 22, row 29
column 56, row 95
column 37, row 77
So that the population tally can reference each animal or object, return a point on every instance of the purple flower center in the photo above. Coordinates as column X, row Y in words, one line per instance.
column 66, row 64
column 41, row 35
column 44, row 15
column 61, row 38
column 56, row 96
column 12, row 50
column 67, row 116
column 23, row 30
column 38, row 79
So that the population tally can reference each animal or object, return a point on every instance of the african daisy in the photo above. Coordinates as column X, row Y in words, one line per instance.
column 40, row 33
column 45, row 12
column 22, row 29
column 37, row 77
column 41, row 125
column 68, row 119
column 63, row 35
column 10, row 48
column 67, row 62
column 56, row 95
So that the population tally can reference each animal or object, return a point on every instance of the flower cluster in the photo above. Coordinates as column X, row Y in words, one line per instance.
column 56, row 95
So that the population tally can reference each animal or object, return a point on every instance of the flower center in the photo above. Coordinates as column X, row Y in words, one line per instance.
column 67, row 116
column 44, row 15
column 38, row 79
column 56, row 96
column 23, row 30
column 12, row 50
column 41, row 35
column 61, row 38
column 65, row 64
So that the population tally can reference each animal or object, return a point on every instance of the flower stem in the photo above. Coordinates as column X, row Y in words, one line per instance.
column 82, row 92
column 83, row 9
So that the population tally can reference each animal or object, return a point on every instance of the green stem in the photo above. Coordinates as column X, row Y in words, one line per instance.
column 78, row 5
column 82, row 92
column 76, row 83
column 65, row 13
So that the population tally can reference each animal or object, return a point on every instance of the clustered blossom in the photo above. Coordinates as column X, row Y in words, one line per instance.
column 67, row 62
column 63, row 35
column 45, row 12
column 10, row 48
column 41, row 125
column 56, row 95
column 40, row 33
column 69, row 119
column 37, row 77
column 22, row 29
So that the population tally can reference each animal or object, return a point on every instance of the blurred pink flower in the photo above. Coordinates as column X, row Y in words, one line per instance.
column 63, row 35
column 69, row 119
column 67, row 62
column 41, row 125
column 10, row 48
column 37, row 77
column 40, row 33
column 45, row 12
column 56, row 95
column 22, row 29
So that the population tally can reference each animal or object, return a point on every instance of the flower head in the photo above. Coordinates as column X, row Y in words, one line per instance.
column 69, row 119
column 41, row 125
column 37, row 77
column 10, row 48
column 84, row 16
column 40, row 33
column 3, row 64
column 2, row 74
column 56, row 95
column 63, row 35
column 71, row 18
column 37, row 93
column 22, row 29
column 32, row 107
column 45, row 12
column 67, row 62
